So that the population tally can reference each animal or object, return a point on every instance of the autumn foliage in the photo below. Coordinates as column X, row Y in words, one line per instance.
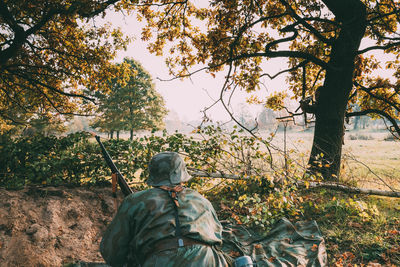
column 331, row 45
column 50, row 51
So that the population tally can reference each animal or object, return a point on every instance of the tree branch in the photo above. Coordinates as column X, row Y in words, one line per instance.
column 349, row 189
column 376, row 47
column 301, row 64
column 306, row 25
column 37, row 82
column 368, row 91
column 333, row 186
column 379, row 112
column 20, row 35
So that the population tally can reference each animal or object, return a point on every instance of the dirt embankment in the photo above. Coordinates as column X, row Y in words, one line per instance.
column 53, row 226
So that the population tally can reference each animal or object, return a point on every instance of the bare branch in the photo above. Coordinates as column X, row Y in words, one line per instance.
column 376, row 47
column 349, row 189
column 333, row 186
column 201, row 173
column 379, row 112
column 306, row 25
column 301, row 64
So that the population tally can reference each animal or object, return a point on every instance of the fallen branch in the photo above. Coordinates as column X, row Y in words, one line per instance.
column 371, row 171
column 333, row 186
column 350, row 189
column 198, row 173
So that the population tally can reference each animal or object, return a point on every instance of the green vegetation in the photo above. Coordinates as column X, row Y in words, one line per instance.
column 131, row 103
column 358, row 229
column 49, row 52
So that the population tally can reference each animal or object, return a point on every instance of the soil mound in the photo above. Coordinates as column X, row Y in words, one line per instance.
column 53, row 226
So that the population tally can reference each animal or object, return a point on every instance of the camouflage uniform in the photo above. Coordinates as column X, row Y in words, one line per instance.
column 144, row 218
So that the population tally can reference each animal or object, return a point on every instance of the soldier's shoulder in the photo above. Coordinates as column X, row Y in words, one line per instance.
column 141, row 194
column 190, row 191
column 193, row 193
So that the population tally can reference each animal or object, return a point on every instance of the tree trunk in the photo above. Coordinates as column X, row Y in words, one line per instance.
column 332, row 98
column 117, row 135
column 131, row 134
column 112, row 134
column 356, row 121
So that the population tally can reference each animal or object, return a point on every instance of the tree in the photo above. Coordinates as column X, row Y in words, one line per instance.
column 266, row 118
column 320, row 41
column 133, row 103
column 49, row 52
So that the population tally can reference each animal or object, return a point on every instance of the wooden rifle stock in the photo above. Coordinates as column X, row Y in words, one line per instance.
column 126, row 190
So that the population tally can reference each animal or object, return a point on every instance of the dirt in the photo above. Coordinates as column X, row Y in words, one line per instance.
column 53, row 226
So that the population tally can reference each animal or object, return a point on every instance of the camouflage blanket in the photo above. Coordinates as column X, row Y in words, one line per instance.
column 286, row 245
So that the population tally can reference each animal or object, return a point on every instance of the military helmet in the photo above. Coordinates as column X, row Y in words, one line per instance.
column 167, row 168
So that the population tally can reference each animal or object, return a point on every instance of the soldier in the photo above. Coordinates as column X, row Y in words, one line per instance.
column 167, row 225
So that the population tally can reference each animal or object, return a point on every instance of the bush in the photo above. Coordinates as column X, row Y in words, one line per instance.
column 40, row 159
column 77, row 160
column 391, row 137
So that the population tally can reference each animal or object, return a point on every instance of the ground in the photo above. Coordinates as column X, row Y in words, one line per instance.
column 53, row 226
column 47, row 226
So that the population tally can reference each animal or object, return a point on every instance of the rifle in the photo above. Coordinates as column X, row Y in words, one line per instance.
column 126, row 190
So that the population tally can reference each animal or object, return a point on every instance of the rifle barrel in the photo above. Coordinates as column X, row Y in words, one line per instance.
column 126, row 190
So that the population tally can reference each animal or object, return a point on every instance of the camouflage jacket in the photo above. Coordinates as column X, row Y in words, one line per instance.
column 148, row 216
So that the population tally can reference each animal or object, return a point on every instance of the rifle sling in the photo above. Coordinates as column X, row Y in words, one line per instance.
column 173, row 194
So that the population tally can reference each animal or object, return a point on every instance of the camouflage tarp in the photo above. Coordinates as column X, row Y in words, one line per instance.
column 287, row 244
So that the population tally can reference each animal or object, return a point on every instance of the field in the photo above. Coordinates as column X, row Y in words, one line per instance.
column 368, row 160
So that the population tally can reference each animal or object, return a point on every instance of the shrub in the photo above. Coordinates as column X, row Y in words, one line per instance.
column 360, row 137
column 76, row 160
column 391, row 137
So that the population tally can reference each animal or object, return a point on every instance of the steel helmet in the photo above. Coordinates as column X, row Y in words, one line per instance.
column 167, row 168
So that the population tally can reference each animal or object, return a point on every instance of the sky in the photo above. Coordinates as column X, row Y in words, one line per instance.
column 188, row 97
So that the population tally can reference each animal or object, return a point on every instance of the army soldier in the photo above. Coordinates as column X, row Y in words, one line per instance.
column 167, row 225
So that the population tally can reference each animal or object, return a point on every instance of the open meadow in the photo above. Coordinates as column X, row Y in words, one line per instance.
column 369, row 158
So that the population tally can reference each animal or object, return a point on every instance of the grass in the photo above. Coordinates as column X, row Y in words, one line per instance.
column 365, row 163
column 359, row 230
column 357, row 236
